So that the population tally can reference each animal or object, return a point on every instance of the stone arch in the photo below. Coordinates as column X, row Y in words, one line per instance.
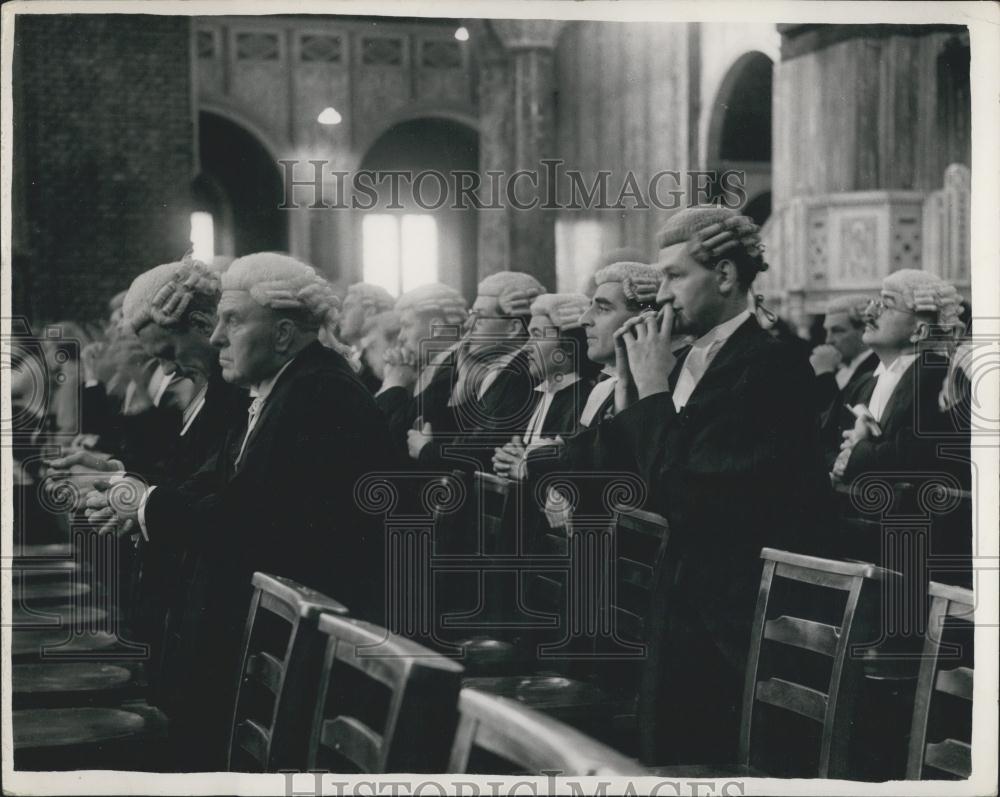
column 743, row 85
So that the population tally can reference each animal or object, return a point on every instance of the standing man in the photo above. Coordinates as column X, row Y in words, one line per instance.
column 725, row 436
column 279, row 496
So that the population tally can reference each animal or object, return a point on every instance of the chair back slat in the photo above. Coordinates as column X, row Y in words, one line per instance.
column 279, row 675
column 956, row 682
column 802, row 700
column 949, row 755
column 254, row 739
column 778, row 630
column 806, row 634
column 266, row 669
column 352, row 739
column 530, row 741
column 384, row 704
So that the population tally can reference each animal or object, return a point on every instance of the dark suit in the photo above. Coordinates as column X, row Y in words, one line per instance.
column 289, row 508
column 736, row 469
column 913, row 427
column 162, row 576
column 831, row 398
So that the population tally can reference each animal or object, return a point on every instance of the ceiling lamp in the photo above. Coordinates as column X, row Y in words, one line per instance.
column 329, row 116
column 462, row 34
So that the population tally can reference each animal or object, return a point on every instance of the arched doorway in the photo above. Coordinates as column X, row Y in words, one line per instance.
column 739, row 134
column 405, row 243
column 239, row 188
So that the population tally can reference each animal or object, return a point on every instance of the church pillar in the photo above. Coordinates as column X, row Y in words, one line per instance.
column 517, row 106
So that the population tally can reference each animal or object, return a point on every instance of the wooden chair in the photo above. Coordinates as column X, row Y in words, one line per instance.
column 526, row 741
column 593, row 681
column 776, row 634
column 385, row 703
column 938, row 683
column 279, row 675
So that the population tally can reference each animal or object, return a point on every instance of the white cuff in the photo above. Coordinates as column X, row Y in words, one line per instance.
column 142, row 512
column 91, row 383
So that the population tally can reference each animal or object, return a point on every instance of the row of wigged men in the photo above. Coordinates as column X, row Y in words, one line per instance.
column 664, row 372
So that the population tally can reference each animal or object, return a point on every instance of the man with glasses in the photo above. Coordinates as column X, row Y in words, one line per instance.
column 899, row 425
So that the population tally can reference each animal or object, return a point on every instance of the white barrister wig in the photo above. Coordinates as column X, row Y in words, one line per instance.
column 164, row 294
column 924, row 292
column 514, row 291
column 853, row 306
column 281, row 283
column 564, row 309
column 435, row 298
column 371, row 296
column 640, row 281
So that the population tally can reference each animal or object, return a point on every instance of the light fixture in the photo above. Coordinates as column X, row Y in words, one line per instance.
column 329, row 116
column 462, row 34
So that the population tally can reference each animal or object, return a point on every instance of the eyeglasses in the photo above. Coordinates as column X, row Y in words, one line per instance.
column 879, row 304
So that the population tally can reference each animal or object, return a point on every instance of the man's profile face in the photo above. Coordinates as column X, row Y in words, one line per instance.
column 486, row 324
column 414, row 328
column 893, row 326
column 245, row 339
column 843, row 335
column 607, row 312
column 352, row 319
column 545, row 355
column 692, row 289
column 187, row 353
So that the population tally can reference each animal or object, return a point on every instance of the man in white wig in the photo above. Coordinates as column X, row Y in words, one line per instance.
column 362, row 301
column 279, row 495
column 492, row 370
column 419, row 375
column 899, row 425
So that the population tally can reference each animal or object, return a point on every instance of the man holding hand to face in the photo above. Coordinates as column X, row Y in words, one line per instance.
column 726, row 439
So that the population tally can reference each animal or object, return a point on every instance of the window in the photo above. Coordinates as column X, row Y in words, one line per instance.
column 400, row 251
column 203, row 236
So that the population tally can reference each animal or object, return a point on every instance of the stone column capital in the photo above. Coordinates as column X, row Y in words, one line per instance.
column 522, row 34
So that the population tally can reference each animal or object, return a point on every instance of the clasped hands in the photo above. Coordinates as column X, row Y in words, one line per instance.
column 110, row 496
column 643, row 356
column 864, row 429
column 511, row 459
column 400, row 369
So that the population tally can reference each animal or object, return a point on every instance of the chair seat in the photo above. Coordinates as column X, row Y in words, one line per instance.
column 52, row 591
column 131, row 736
column 66, row 727
column 28, row 645
column 74, row 683
column 54, row 550
column 565, row 698
column 56, row 616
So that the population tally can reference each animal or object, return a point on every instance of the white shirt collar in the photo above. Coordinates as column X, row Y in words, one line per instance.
column 722, row 332
column 560, row 384
column 263, row 389
column 899, row 365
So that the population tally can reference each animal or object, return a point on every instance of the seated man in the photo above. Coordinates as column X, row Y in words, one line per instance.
column 380, row 335
column 493, row 384
column 726, row 438
column 172, row 311
column 900, row 426
column 279, row 495
column 362, row 302
column 420, row 374
column 842, row 366
column 556, row 359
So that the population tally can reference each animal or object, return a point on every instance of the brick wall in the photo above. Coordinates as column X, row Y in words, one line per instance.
column 103, row 160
